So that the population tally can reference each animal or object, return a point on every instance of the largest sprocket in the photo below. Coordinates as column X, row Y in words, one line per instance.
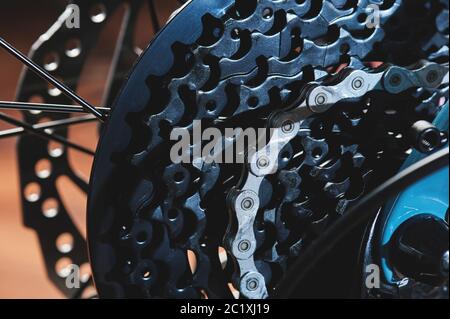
column 156, row 228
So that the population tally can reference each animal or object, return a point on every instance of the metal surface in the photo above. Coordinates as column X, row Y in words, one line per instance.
column 45, row 134
column 242, row 61
column 63, row 53
column 235, row 64
column 49, row 78
column 58, row 108
column 424, row 202
column 293, row 119
column 49, row 125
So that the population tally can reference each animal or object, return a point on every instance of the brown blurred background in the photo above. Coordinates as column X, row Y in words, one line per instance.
column 22, row 273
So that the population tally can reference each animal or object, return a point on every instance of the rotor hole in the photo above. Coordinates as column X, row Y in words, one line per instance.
column 37, row 99
column 51, row 61
column 55, row 149
column 89, row 292
column 32, row 192
column 52, row 90
column 73, row 48
column 50, row 208
column 64, row 243
column 43, row 168
column 98, row 13
column 85, row 272
column 64, row 267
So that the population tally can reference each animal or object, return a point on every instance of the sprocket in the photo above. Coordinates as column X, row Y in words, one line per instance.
column 156, row 229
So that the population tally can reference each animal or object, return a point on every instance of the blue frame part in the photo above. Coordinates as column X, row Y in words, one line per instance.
column 428, row 196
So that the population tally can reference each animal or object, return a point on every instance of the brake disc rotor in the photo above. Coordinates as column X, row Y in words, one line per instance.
column 64, row 52
column 156, row 228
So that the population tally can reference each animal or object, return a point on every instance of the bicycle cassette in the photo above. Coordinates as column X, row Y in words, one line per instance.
column 337, row 97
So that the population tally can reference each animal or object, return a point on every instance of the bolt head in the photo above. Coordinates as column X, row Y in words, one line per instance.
column 321, row 99
column 247, row 203
column 395, row 80
column 263, row 162
column 288, row 127
column 252, row 284
column 432, row 76
column 357, row 83
column 244, row 246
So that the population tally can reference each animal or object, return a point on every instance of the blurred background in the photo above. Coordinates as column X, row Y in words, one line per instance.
column 22, row 273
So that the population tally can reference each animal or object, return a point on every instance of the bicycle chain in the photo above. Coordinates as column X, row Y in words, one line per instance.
column 251, row 58
column 316, row 98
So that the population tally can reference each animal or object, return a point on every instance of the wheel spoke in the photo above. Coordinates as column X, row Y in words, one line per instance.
column 45, row 134
column 47, row 77
column 56, row 108
column 154, row 16
column 49, row 125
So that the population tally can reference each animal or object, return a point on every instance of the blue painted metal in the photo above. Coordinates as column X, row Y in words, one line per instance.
column 427, row 196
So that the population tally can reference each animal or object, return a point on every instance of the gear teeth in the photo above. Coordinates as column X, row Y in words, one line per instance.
column 302, row 211
column 297, row 248
column 337, row 190
column 291, row 181
column 322, row 174
column 288, row 226
column 344, row 203
column 319, row 226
